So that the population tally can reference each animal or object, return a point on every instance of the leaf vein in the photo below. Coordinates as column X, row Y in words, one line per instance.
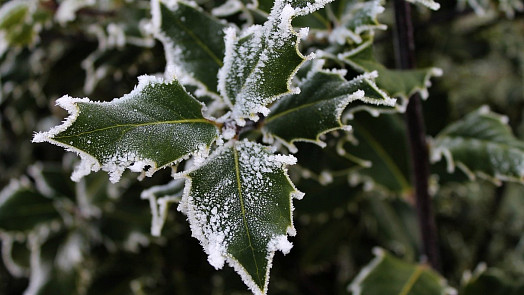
column 242, row 207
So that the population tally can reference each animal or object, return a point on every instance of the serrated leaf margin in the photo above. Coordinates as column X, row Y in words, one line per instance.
column 195, row 229
column 89, row 163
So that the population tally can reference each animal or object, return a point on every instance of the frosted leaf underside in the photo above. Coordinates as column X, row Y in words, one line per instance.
column 259, row 64
column 482, row 143
column 155, row 125
column 239, row 206
column 193, row 43
column 318, row 108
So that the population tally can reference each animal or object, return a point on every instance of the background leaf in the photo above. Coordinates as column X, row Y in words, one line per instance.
column 193, row 43
column 389, row 275
column 482, row 144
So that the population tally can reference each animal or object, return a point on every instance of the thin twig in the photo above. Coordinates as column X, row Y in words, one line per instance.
column 417, row 137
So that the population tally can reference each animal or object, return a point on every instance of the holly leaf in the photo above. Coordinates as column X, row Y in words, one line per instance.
column 397, row 83
column 481, row 144
column 193, row 42
column 238, row 203
column 431, row 4
column 260, row 63
column 318, row 108
column 23, row 209
column 355, row 19
column 378, row 144
column 386, row 274
column 160, row 197
column 154, row 126
column 490, row 281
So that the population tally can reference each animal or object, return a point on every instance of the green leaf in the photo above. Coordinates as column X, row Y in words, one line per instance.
column 13, row 14
column 260, row 63
column 318, row 108
column 379, row 145
column 22, row 209
column 56, row 264
column 397, row 83
column 431, row 4
column 160, row 197
column 386, row 274
column 239, row 206
column 481, row 144
column 491, row 281
column 355, row 19
column 15, row 255
column 154, row 126
column 193, row 43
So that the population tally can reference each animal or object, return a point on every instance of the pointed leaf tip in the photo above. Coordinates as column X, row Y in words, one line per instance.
column 154, row 126
column 241, row 215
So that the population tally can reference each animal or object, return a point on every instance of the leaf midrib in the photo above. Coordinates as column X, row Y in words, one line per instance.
column 298, row 108
column 134, row 126
column 411, row 280
column 242, row 207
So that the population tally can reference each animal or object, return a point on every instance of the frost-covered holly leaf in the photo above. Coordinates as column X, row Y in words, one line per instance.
column 379, row 144
column 386, row 274
column 491, row 281
column 481, row 144
column 431, row 4
column 260, row 63
column 20, row 23
column 355, row 19
column 154, row 126
column 318, row 108
column 160, row 197
column 193, row 42
column 239, row 205
column 23, row 209
column 56, row 263
column 397, row 83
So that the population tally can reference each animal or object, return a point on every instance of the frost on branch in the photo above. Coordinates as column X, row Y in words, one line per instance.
column 260, row 63
column 325, row 95
column 154, row 126
column 482, row 144
column 193, row 43
column 239, row 206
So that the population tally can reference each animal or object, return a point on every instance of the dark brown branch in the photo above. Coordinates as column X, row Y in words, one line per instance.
column 417, row 137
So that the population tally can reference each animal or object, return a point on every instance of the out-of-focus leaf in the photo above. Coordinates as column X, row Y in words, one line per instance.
column 386, row 274
column 481, row 144
column 491, row 281
column 431, row 4
column 193, row 43
column 160, row 198
column 154, row 126
column 379, row 144
column 13, row 14
column 22, row 209
column 239, row 205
